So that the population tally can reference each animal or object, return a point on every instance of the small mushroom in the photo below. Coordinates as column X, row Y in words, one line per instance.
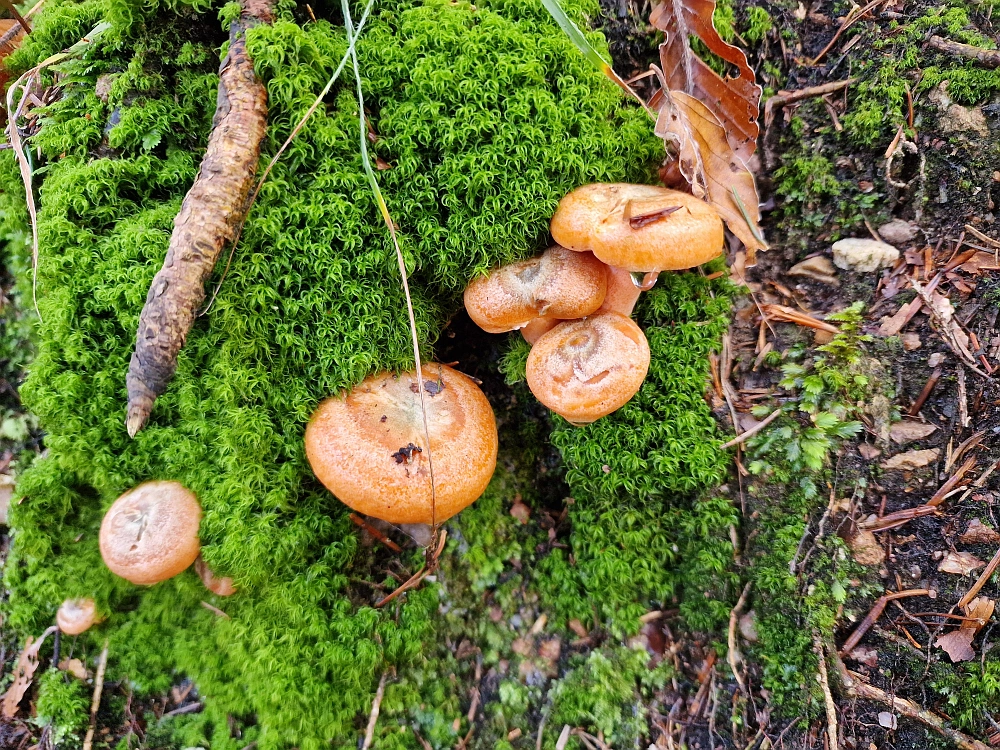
column 76, row 615
column 219, row 585
column 368, row 446
column 641, row 228
column 586, row 369
column 559, row 283
column 538, row 327
column 150, row 533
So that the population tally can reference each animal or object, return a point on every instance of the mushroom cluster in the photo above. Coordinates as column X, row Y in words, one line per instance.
column 573, row 302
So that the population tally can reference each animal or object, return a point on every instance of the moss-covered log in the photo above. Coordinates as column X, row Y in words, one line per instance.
column 211, row 215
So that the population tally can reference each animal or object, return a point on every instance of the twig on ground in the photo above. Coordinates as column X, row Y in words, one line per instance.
column 925, row 393
column 190, row 708
column 215, row 611
column 988, row 57
column 849, row 21
column 373, row 716
column 988, row 571
column 733, row 656
column 563, row 737
column 788, row 315
column 784, row 98
column 831, row 708
column 989, row 241
column 378, row 535
column 899, row 517
column 856, row 686
column 874, row 614
column 102, row 664
column 474, row 706
column 753, row 430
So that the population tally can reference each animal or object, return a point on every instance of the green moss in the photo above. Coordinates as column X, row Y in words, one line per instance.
column 758, row 24
column 488, row 115
column 63, row 705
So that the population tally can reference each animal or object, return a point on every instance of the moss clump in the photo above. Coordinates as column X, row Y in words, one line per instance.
column 63, row 706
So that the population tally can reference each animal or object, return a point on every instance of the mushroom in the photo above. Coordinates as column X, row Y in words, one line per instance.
column 219, row 585
column 368, row 446
column 559, row 283
column 150, row 533
column 76, row 615
column 639, row 227
column 586, row 369
column 623, row 292
column 538, row 327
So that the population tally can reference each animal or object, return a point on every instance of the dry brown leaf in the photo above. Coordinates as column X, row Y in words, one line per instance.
column 74, row 667
column 979, row 533
column 865, row 548
column 960, row 563
column 865, row 655
column 24, row 671
column 981, row 610
column 958, row 644
column 980, row 262
column 908, row 431
column 735, row 100
column 520, row 511
column 868, row 451
column 912, row 459
column 712, row 167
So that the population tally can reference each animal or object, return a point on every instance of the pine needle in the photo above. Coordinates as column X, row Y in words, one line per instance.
column 387, row 218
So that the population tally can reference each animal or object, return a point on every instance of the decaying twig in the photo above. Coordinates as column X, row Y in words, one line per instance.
column 941, row 310
column 988, row 571
column 102, row 664
column 988, row 57
column 785, row 98
column 373, row 716
column 849, row 21
column 788, row 315
column 925, row 392
column 733, row 655
column 378, row 535
column 856, row 686
column 876, row 612
column 753, row 430
column 831, row 708
column 430, row 565
column 210, row 216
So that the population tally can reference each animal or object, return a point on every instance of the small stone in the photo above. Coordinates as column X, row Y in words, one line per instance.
column 887, row 720
column 103, row 86
column 863, row 255
column 935, row 359
column 898, row 232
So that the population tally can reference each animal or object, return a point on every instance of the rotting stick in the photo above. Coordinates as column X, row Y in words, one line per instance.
column 831, row 707
column 210, row 216
column 102, row 664
column 848, row 23
column 785, row 98
column 926, row 392
column 988, row 57
column 373, row 716
column 872, row 617
column 753, row 430
column 733, row 655
column 856, row 686
column 378, row 535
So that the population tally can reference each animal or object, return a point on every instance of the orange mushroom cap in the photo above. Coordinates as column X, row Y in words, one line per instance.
column 639, row 227
column 586, row 369
column 76, row 615
column 558, row 283
column 219, row 585
column 150, row 533
column 538, row 327
column 368, row 446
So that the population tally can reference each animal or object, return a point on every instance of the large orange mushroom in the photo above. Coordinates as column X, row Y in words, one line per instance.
column 150, row 533
column 586, row 369
column 559, row 284
column 369, row 449
column 642, row 228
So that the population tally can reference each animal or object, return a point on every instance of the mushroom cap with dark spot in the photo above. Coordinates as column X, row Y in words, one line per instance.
column 639, row 228
column 559, row 283
column 586, row 369
column 368, row 446
column 76, row 615
column 150, row 533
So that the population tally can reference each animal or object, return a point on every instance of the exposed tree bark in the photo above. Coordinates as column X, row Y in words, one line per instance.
column 210, row 216
column 988, row 57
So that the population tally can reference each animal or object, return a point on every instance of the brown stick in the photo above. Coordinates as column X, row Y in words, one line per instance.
column 209, row 217
column 832, row 733
column 856, row 686
column 988, row 57
column 876, row 612
column 926, row 392
column 753, row 430
column 373, row 716
column 981, row 581
column 790, row 97
column 102, row 664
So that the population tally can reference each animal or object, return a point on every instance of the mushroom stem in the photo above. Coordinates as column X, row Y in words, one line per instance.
column 648, row 281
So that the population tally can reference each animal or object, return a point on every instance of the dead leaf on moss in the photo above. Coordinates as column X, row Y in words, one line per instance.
column 912, row 459
column 74, row 667
column 957, row 644
column 978, row 532
column 520, row 511
column 865, row 548
column 24, row 671
column 960, row 563
column 909, row 431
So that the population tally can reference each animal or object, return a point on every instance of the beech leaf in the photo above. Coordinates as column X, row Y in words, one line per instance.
column 979, row 533
column 958, row 644
column 960, row 563
column 24, row 671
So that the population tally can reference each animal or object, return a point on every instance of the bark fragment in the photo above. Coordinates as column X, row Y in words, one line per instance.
column 210, row 216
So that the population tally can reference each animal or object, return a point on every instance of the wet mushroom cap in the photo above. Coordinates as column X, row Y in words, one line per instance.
column 367, row 446
column 538, row 327
column 559, row 283
column 586, row 369
column 219, row 585
column 622, row 294
column 641, row 228
column 150, row 533
column 76, row 615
